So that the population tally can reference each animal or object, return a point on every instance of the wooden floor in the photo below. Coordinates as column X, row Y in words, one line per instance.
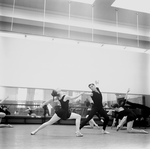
column 63, row 137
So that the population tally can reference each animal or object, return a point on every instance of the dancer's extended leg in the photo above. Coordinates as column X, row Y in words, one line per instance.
column 103, row 113
column 4, row 125
column 92, row 123
column 131, row 130
column 54, row 119
column 77, row 117
column 90, row 116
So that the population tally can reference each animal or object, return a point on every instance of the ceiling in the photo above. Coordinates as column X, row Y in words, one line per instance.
column 99, row 23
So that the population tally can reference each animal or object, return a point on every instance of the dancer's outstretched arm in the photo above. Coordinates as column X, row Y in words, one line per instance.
column 122, row 122
column 73, row 98
column 113, row 123
column 46, row 103
column 126, row 96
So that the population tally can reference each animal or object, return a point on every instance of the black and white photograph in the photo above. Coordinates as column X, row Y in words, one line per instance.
column 74, row 74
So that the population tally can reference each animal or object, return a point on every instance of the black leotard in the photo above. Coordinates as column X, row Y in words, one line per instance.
column 64, row 112
column 126, row 112
column 97, row 99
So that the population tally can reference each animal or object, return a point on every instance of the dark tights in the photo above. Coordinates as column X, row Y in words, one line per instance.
column 93, row 112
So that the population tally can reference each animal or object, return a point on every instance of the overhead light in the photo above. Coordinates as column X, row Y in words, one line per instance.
column 123, row 48
column 134, row 5
column 134, row 49
column 84, row 1
column 112, row 47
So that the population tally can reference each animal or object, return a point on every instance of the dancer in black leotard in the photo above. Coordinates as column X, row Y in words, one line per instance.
column 126, row 116
column 97, row 107
column 63, row 113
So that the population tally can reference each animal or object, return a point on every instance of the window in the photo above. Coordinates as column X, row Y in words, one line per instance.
column 39, row 94
column 21, row 97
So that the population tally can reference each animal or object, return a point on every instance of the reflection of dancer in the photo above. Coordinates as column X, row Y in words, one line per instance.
column 63, row 113
column 30, row 112
column 126, row 116
column 97, row 107
column 2, row 114
column 47, row 109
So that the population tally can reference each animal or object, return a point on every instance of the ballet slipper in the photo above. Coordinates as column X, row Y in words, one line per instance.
column 104, row 131
column 32, row 133
column 79, row 134
column 143, row 131
column 10, row 126
column 97, row 127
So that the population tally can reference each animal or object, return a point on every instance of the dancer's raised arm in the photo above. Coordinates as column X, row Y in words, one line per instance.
column 126, row 96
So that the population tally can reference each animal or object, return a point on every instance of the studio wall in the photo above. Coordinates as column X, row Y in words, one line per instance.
column 48, row 64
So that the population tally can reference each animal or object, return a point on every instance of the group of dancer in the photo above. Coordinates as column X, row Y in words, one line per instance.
column 64, row 112
column 123, row 114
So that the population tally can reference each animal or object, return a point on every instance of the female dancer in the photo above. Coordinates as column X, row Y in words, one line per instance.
column 126, row 116
column 97, row 107
column 63, row 113
column 145, row 110
column 2, row 114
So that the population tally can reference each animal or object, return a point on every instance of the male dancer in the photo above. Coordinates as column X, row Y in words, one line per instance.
column 97, row 107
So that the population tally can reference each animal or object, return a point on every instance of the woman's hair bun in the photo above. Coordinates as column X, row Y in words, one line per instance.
column 54, row 93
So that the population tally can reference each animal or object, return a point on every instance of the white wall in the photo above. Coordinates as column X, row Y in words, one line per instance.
column 41, row 64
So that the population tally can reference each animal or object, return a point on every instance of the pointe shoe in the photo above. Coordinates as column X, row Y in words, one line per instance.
column 104, row 131
column 79, row 134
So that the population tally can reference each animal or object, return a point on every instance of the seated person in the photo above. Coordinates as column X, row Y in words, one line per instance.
column 3, row 114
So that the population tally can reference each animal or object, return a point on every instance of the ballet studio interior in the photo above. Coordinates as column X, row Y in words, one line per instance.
column 74, row 74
